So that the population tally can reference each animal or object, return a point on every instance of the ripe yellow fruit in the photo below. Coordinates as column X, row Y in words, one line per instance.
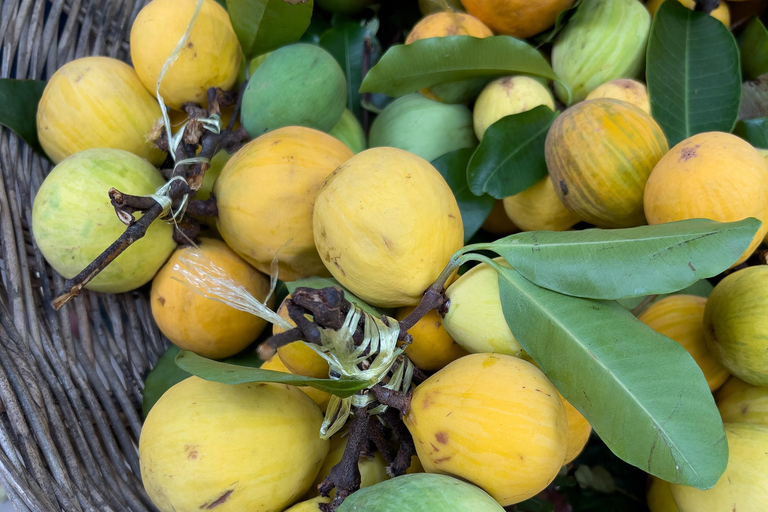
column 681, row 185
column 211, row 57
column 233, row 447
column 624, row 89
column 517, row 18
column 538, row 208
column 321, row 398
column 385, row 224
column 507, row 96
column 193, row 322
column 659, row 496
column 740, row 402
column 297, row 356
column 681, row 317
column 97, row 102
column 432, row 346
column 312, row 505
column 720, row 13
column 493, row 420
column 266, row 193
column 579, row 431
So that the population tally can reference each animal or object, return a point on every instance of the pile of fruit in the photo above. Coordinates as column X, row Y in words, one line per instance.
column 523, row 252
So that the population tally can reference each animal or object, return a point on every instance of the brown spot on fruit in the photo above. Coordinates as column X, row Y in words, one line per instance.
column 563, row 188
column 687, row 153
column 161, row 300
column 218, row 501
column 442, row 437
column 744, row 409
column 442, row 459
column 434, row 448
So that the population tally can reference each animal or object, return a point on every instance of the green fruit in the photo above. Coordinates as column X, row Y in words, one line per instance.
column 424, row 127
column 421, row 492
column 349, row 131
column 604, row 40
column 296, row 85
column 73, row 220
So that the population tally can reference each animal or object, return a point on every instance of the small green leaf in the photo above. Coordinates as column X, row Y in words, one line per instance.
column 19, row 99
column 510, row 157
column 643, row 394
column 560, row 22
column 474, row 209
column 219, row 371
column 317, row 283
column 753, row 44
column 264, row 25
column 754, row 131
column 437, row 60
column 692, row 72
column 163, row 376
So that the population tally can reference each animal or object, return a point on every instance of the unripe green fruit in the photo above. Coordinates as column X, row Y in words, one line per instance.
column 349, row 131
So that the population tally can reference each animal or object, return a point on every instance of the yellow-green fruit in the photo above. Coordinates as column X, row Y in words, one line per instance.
column 373, row 469
column 579, row 431
column 96, row 102
column 624, row 89
column 474, row 318
column 659, row 496
column 740, row 402
column 493, row 420
column 428, row 7
column 252, row 447
column 73, row 220
column 210, row 58
column 538, row 208
column 681, row 185
column 720, row 13
column 736, row 324
column 432, row 346
column 744, row 485
column 507, row 96
column 265, row 195
column 681, row 317
column 312, row 505
column 517, row 18
column 497, row 222
column 194, row 322
column 321, row 398
column 599, row 155
column 349, row 131
column 386, row 223
column 298, row 357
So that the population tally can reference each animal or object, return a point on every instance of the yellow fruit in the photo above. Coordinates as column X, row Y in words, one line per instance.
column 321, row 398
column 386, row 223
column 681, row 185
column 193, row 322
column 720, row 13
column 659, row 496
column 415, row 467
column 681, row 317
column 96, row 102
column 498, row 223
column 312, row 505
column 211, row 57
column 538, row 208
column 744, row 485
column 265, row 195
column 740, row 402
column 238, row 447
column 579, row 431
column 507, row 96
column 599, row 155
column 432, row 346
column 518, row 18
column 493, row 420
column 297, row 356
column 624, row 89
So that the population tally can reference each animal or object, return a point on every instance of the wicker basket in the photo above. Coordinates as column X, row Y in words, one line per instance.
column 70, row 381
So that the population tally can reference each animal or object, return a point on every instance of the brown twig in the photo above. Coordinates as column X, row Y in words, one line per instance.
column 345, row 476
column 706, row 5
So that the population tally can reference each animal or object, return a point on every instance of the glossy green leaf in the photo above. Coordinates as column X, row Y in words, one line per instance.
column 219, row 371
column 318, row 26
column 474, row 208
column 163, row 376
column 560, row 22
column 692, row 72
column 621, row 263
column 324, row 282
column 510, row 157
column 643, row 394
column 19, row 99
column 753, row 44
column 754, row 131
column 264, row 25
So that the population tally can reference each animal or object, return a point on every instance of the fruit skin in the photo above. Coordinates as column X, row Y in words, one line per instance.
column 297, row 357
column 296, row 85
column 744, row 485
column 599, row 155
column 270, row 184
column 604, row 40
column 681, row 317
column 422, row 492
column 659, row 496
column 736, row 322
column 321, row 398
column 498, row 222
column 721, row 12
column 312, row 505
column 73, row 220
column 248, row 446
column 96, row 102
column 432, row 347
column 349, row 131
column 680, row 186
column 211, row 57
column 538, row 208
column 740, row 402
column 579, row 431
column 423, row 127
column 455, row 417
column 386, row 223
column 624, row 89
column 507, row 96
column 517, row 18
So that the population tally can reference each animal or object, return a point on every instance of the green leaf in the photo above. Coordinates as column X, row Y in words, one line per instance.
column 510, row 157
column 643, row 394
column 692, row 72
column 163, row 376
column 474, row 208
column 19, row 99
column 324, row 282
column 754, row 131
column 219, row 371
column 753, row 44
column 620, row 263
column 437, row 60
column 560, row 22
column 264, row 25
column 535, row 505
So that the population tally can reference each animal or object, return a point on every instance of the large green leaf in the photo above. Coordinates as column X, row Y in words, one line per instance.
column 643, row 393
column 693, row 74
column 163, row 376
column 264, row 25
column 754, row 131
column 324, row 282
column 19, row 99
column 560, row 22
column 510, row 157
column 753, row 44
column 407, row 68
column 620, row 263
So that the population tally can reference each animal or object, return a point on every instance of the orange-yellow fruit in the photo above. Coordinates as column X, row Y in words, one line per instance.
column 518, row 18
column 321, row 398
column 498, row 222
column 687, row 183
column 659, row 496
column 538, row 208
column 297, row 356
column 579, row 431
column 740, row 402
column 432, row 346
column 624, row 89
column 720, row 13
